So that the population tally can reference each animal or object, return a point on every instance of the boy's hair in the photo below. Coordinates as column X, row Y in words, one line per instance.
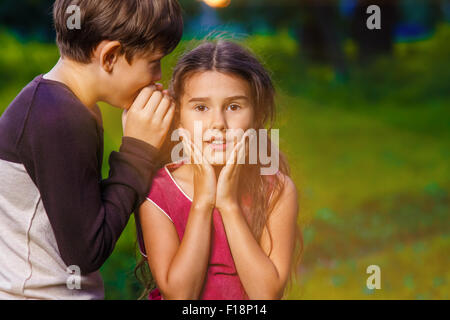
column 140, row 26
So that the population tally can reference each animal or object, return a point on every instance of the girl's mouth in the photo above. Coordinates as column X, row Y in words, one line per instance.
column 218, row 144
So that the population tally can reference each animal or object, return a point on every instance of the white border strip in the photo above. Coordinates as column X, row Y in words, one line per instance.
column 160, row 209
column 168, row 172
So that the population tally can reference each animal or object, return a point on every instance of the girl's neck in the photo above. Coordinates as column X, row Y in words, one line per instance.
column 217, row 170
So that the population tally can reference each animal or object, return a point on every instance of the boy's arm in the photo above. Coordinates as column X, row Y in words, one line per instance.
column 61, row 154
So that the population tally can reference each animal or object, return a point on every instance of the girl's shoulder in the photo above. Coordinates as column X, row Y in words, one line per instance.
column 166, row 194
column 162, row 180
column 288, row 183
column 159, row 181
column 282, row 189
column 285, row 182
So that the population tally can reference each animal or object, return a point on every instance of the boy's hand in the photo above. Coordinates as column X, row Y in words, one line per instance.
column 149, row 116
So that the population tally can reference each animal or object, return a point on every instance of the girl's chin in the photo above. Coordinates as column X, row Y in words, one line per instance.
column 218, row 165
column 217, row 158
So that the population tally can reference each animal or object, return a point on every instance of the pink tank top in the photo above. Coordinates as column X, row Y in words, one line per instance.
column 222, row 281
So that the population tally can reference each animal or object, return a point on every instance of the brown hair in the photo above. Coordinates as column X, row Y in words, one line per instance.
column 139, row 25
column 231, row 58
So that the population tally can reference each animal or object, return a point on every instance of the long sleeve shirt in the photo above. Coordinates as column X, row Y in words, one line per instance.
column 57, row 216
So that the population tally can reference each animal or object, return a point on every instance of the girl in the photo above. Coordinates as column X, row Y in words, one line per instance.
column 213, row 228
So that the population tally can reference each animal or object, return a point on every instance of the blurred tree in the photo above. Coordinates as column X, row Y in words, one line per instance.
column 28, row 18
column 256, row 15
column 321, row 32
column 190, row 7
column 316, row 23
column 418, row 18
column 372, row 43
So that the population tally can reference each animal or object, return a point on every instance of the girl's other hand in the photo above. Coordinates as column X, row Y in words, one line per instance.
column 227, row 185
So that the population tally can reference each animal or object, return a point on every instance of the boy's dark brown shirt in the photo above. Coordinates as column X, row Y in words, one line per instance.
column 59, row 142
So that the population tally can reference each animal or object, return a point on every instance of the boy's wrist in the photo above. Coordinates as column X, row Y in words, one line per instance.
column 139, row 148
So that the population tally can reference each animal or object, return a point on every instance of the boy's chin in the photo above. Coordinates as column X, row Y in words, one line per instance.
column 124, row 106
column 120, row 103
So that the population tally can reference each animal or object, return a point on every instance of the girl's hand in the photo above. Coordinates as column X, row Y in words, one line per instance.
column 227, row 185
column 204, row 175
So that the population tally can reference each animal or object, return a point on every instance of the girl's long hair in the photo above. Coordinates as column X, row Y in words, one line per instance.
column 263, row 191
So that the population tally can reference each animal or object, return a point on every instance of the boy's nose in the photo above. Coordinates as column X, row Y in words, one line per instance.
column 157, row 76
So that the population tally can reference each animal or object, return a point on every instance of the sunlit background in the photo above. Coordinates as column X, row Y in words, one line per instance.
column 364, row 118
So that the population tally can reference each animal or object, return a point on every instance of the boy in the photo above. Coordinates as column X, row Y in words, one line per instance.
column 58, row 219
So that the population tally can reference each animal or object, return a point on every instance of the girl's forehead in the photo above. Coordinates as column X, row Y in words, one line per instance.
column 213, row 83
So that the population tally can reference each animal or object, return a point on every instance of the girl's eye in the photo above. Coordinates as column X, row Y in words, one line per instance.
column 200, row 108
column 234, row 107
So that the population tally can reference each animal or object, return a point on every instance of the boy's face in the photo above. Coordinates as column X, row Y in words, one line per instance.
column 127, row 79
column 222, row 104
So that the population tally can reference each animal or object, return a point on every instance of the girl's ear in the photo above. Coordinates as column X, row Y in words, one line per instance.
column 109, row 53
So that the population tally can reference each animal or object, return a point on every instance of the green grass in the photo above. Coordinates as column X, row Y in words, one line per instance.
column 369, row 154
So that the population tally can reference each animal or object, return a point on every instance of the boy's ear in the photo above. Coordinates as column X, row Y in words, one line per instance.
column 109, row 53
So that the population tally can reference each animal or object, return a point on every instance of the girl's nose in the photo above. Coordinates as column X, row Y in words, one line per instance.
column 218, row 121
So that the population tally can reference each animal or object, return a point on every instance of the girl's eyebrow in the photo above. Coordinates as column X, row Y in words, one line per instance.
column 227, row 99
column 198, row 99
column 237, row 98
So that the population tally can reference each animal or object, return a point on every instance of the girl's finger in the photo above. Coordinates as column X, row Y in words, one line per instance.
column 199, row 155
column 196, row 157
column 231, row 168
column 195, row 154
column 246, row 145
column 187, row 150
column 241, row 152
column 233, row 156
